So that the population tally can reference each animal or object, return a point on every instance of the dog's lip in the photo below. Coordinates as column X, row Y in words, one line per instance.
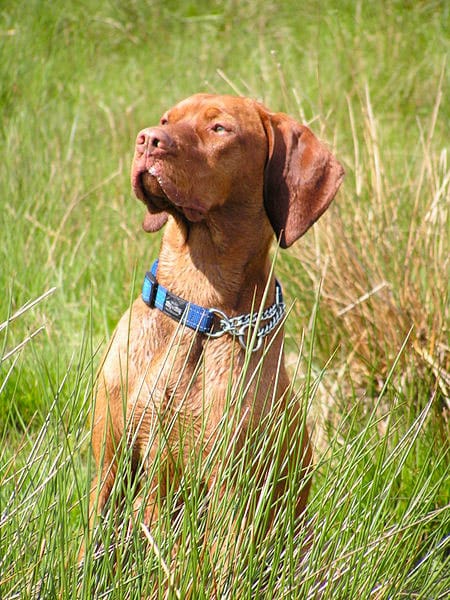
column 191, row 209
column 140, row 168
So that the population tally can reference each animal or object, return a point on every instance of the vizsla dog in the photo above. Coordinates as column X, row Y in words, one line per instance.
column 225, row 176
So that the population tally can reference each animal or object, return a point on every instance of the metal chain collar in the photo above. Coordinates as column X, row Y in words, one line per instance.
column 238, row 326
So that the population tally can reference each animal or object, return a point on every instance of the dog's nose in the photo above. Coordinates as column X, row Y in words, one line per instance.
column 153, row 138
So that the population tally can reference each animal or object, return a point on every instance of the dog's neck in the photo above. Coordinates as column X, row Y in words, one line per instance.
column 221, row 269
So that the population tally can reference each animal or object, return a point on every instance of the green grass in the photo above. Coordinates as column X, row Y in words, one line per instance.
column 367, row 337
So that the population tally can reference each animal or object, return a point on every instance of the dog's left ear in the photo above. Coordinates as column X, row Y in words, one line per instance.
column 301, row 177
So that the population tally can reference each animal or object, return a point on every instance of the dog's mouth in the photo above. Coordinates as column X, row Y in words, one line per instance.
column 159, row 193
column 147, row 188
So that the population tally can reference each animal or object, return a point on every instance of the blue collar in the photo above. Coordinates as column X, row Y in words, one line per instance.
column 211, row 321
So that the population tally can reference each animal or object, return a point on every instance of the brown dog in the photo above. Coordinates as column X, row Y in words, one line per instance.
column 226, row 175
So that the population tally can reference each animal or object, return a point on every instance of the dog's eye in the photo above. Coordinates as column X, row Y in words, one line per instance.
column 164, row 121
column 218, row 128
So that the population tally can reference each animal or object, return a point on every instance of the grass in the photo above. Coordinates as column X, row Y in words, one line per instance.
column 367, row 336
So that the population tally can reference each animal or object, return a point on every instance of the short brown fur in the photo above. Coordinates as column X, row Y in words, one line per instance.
column 225, row 174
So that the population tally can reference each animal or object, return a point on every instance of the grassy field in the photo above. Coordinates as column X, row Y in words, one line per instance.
column 367, row 336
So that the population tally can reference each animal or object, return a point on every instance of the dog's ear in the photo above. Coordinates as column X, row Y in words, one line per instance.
column 154, row 221
column 301, row 177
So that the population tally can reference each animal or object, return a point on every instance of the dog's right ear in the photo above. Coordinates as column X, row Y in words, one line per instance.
column 154, row 221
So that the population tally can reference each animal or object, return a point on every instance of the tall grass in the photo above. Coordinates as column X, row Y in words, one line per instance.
column 367, row 335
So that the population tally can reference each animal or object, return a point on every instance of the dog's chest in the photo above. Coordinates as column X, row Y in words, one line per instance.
column 171, row 365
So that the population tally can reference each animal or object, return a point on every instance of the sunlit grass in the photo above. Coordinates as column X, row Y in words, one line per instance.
column 366, row 338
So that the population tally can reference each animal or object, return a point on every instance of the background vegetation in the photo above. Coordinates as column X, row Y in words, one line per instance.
column 77, row 81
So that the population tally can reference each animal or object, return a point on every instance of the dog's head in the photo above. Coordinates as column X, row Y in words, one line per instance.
column 212, row 153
